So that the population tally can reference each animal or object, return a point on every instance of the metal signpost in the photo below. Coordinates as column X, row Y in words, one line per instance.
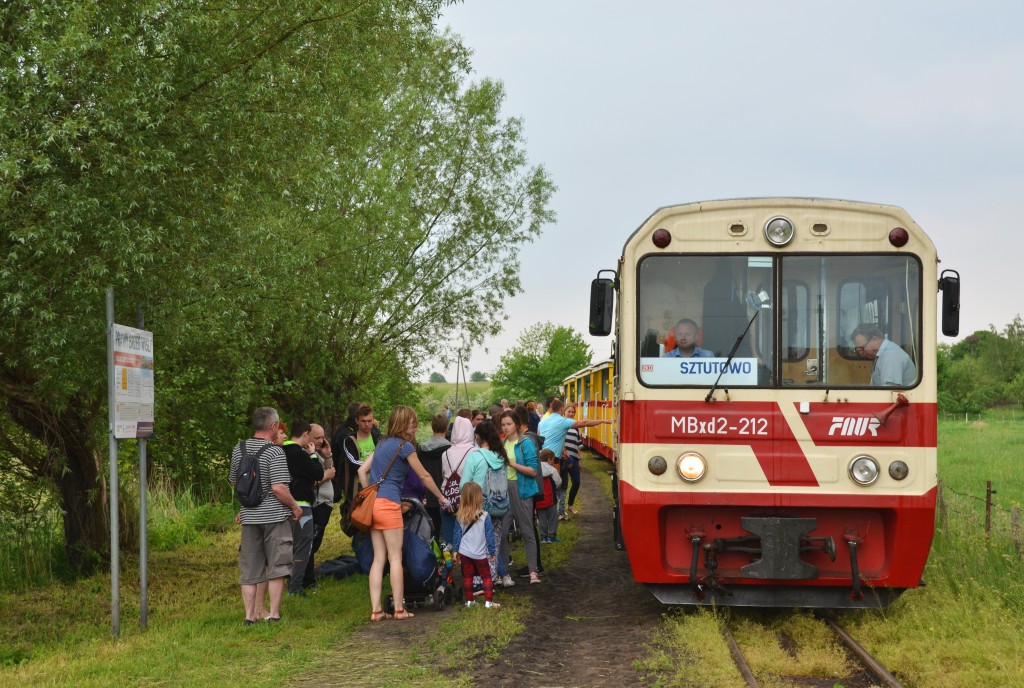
column 130, row 414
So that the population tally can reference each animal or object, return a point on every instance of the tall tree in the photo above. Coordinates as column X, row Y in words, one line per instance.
column 298, row 193
column 544, row 355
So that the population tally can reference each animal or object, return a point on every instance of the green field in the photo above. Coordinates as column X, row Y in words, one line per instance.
column 434, row 396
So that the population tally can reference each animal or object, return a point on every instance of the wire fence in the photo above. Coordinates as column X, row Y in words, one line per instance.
column 998, row 524
column 1008, row 412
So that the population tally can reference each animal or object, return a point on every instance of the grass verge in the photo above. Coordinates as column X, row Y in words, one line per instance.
column 59, row 634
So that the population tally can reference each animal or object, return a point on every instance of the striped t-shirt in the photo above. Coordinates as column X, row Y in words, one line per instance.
column 572, row 444
column 273, row 471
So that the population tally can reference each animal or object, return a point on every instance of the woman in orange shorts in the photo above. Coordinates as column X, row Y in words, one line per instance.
column 397, row 450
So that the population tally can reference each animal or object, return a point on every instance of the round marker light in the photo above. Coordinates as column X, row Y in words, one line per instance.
column 864, row 470
column 657, row 465
column 779, row 231
column 661, row 238
column 691, row 467
column 898, row 470
column 899, row 237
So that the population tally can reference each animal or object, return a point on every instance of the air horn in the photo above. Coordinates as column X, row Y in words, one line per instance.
column 901, row 400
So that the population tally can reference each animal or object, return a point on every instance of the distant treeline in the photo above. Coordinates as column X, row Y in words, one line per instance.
column 984, row 369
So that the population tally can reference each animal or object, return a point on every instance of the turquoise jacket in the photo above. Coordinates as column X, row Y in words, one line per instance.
column 526, row 455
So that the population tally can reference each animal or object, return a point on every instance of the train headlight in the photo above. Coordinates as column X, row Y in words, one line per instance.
column 898, row 470
column 864, row 470
column 691, row 467
column 779, row 231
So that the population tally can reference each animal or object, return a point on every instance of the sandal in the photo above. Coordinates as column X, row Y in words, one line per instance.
column 379, row 616
column 403, row 614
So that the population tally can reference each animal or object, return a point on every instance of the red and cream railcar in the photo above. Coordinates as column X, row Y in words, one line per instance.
column 763, row 457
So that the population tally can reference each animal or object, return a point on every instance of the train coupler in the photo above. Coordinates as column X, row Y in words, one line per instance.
column 780, row 542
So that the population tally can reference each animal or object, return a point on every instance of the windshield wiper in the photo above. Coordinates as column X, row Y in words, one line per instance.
column 757, row 302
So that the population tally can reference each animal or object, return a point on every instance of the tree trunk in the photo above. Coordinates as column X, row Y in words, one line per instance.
column 76, row 468
column 85, row 500
column 83, row 496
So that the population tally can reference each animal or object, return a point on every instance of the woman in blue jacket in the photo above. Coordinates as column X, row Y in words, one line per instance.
column 523, row 467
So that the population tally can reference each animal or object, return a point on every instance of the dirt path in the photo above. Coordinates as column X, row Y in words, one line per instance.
column 589, row 620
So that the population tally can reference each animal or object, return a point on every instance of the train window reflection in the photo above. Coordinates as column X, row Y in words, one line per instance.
column 692, row 312
column 842, row 293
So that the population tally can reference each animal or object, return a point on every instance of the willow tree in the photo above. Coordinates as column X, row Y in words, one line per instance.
column 308, row 197
column 544, row 355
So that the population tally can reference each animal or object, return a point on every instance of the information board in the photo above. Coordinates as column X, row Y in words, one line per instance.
column 133, row 382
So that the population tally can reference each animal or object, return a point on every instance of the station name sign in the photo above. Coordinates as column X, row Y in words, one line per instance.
column 698, row 371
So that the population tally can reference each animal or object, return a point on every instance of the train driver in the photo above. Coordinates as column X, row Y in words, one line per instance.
column 686, row 342
column 891, row 366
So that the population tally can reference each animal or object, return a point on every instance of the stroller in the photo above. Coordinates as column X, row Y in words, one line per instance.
column 427, row 570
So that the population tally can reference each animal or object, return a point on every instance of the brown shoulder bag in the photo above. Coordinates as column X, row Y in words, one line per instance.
column 360, row 511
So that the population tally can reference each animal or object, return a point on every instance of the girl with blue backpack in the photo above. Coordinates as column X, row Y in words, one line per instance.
column 486, row 466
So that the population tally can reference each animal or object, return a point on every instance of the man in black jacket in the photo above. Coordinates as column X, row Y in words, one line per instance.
column 306, row 471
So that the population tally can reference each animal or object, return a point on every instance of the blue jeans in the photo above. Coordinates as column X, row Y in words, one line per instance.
column 574, row 473
column 447, row 527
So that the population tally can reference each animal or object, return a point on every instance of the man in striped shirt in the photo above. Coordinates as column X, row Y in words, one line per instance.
column 265, row 551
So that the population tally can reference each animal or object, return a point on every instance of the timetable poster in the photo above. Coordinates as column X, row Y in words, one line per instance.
column 133, row 382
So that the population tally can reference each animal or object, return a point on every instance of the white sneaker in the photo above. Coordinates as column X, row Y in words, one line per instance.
column 492, row 605
column 534, row 578
column 470, row 603
column 507, row 581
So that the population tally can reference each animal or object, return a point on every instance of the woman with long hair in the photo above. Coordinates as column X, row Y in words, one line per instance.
column 391, row 460
column 523, row 467
column 570, row 468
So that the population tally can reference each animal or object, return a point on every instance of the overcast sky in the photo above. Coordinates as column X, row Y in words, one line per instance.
column 631, row 107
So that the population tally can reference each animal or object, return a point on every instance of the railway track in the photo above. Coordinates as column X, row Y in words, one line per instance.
column 880, row 676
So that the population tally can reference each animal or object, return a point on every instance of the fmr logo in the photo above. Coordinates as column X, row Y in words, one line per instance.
column 847, row 426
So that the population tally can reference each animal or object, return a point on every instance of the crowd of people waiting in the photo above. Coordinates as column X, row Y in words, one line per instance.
column 479, row 476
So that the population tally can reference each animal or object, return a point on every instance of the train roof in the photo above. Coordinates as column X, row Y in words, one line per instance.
column 590, row 368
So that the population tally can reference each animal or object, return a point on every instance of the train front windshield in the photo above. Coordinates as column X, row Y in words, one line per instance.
column 788, row 320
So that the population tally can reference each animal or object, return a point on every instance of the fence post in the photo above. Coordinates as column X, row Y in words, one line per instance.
column 1015, row 525
column 941, row 499
column 988, row 508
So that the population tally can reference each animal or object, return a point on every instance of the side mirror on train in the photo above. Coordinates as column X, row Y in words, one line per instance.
column 949, row 285
column 602, row 302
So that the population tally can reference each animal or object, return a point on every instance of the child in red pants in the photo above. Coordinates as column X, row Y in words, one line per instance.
column 475, row 544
